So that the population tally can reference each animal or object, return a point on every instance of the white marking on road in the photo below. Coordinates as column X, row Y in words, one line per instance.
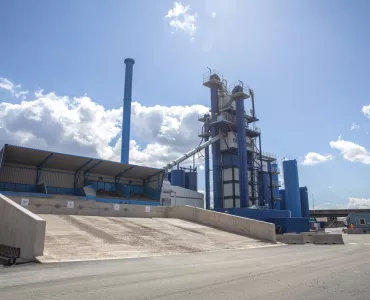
column 352, row 243
column 367, row 244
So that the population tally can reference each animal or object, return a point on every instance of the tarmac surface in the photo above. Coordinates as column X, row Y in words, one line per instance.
column 72, row 237
column 309, row 271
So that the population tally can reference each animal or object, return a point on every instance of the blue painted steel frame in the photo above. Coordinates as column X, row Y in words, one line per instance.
column 127, row 111
column 41, row 166
column 87, row 172
column 242, row 153
column 216, row 153
column 118, row 176
column 77, row 172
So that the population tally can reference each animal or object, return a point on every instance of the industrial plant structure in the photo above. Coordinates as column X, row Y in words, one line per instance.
column 245, row 179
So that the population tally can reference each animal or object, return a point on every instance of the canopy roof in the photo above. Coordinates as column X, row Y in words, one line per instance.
column 55, row 160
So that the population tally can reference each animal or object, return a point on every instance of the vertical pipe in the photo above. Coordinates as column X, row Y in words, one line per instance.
column 206, row 166
column 216, row 154
column 125, row 151
column 242, row 149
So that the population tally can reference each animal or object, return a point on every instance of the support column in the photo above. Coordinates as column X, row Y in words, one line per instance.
column 242, row 146
column 127, row 111
column 206, row 167
column 216, row 153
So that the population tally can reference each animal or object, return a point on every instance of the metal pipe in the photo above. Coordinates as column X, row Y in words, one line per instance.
column 192, row 152
column 125, row 151
column 206, row 168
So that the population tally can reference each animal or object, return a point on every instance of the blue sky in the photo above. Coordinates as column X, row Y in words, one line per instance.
column 307, row 61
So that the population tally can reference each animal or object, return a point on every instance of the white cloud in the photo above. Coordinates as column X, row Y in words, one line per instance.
column 78, row 125
column 358, row 203
column 366, row 110
column 181, row 19
column 313, row 158
column 15, row 90
column 213, row 15
column 330, row 186
column 351, row 151
column 354, row 126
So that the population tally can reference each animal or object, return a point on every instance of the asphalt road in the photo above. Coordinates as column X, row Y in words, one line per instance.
column 338, row 272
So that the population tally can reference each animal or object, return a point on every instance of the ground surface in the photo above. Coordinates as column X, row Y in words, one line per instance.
column 88, row 237
column 338, row 272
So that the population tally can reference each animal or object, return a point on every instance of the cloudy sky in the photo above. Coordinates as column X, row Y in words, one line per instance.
column 62, row 75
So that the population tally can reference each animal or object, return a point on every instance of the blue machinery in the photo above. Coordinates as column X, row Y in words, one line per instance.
column 245, row 180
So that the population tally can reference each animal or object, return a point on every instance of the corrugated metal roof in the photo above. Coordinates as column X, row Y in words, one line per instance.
column 54, row 160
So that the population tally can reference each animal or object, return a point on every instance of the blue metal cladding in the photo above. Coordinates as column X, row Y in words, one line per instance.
column 242, row 153
column 304, row 202
column 193, row 181
column 265, row 187
column 216, row 153
column 178, row 178
column 125, row 151
column 275, row 190
column 282, row 199
column 291, row 183
column 263, row 178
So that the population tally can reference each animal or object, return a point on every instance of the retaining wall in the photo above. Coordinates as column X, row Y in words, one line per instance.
column 248, row 227
column 64, row 206
column 21, row 228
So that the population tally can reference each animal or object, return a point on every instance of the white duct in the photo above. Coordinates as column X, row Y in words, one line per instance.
column 192, row 152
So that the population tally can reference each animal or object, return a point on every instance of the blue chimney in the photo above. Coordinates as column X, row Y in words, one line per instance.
column 127, row 111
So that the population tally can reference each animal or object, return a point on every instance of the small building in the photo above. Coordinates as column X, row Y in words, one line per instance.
column 358, row 222
column 34, row 172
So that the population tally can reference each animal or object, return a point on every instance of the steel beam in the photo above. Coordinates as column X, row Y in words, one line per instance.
column 77, row 172
column 118, row 176
column 41, row 166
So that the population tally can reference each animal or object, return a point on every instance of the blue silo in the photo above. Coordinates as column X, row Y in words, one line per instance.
column 178, row 178
column 291, row 183
column 304, row 202
column 192, row 181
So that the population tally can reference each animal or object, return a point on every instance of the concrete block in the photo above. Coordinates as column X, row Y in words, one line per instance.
column 21, row 228
column 290, row 238
column 308, row 237
column 325, row 239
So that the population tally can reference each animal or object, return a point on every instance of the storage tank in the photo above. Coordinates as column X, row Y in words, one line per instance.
column 305, row 208
column 178, row 178
column 282, row 201
column 192, row 181
column 291, row 183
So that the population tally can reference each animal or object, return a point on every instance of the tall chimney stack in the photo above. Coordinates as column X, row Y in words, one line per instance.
column 125, row 151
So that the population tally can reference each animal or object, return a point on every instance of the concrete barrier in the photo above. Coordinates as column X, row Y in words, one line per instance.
column 291, row 238
column 60, row 206
column 234, row 224
column 308, row 237
column 325, row 239
column 21, row 228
